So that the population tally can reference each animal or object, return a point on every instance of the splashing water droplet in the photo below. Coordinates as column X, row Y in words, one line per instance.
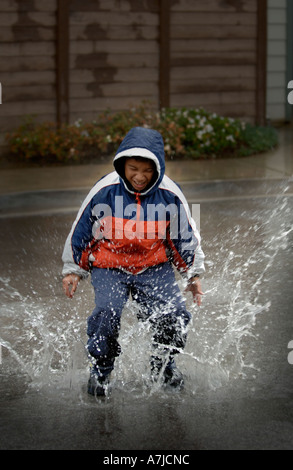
column 46, row 336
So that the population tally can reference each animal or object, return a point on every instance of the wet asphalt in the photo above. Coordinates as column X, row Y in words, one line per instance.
column 238, row 373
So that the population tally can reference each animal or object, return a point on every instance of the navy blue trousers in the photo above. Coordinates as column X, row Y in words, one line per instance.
column 160, row 302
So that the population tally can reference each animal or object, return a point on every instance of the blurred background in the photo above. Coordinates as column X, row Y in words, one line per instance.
column 66, row 60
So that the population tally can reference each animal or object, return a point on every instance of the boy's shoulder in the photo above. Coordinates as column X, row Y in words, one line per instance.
column 103, row 183
column 170, row 185
column 106, row 180
column 109, row 178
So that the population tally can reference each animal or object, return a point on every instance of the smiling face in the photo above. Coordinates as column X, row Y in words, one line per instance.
column 139, row 173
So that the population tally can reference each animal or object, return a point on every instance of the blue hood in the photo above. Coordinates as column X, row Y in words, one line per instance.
column 143, row 143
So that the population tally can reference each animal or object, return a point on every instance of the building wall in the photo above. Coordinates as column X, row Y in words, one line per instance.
column 27, row 61
column 114, row 55
column 213, row 56
column 74, row 59
column 277, row 60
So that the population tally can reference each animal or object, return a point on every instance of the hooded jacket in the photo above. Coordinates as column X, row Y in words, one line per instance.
column 117, row 227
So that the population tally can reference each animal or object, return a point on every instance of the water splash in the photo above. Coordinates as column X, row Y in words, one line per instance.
column 44, row 335
column 241, row 262
column 40, row 338
column 223, row 334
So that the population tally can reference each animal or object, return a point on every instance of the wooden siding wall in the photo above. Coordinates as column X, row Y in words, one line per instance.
column 71, row 59
column 277, row 60
column 114, row 55
column 27, row 61
column 213, row 56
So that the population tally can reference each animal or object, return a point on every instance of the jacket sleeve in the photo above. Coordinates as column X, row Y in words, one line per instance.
column 184, row 241
column 78, row 243
column 82, row 236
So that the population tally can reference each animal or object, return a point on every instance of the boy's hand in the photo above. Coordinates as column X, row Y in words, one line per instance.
column 70, row 283
column 194, row 286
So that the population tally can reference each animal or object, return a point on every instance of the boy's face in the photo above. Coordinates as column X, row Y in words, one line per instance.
column 139, row 173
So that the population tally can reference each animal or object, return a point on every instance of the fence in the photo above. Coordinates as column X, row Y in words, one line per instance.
column 69, row 59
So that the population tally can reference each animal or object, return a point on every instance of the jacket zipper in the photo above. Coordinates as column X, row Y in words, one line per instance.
column 137, row 198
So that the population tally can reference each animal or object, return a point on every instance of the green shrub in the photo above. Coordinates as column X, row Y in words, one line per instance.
column 257, row 140
column 187, row 133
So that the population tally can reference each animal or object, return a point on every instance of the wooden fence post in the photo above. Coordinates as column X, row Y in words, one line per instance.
column 261, row 62
column 62, row 62
column 164, row 72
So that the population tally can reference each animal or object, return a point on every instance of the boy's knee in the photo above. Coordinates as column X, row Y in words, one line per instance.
column 103, row 347
column 103, row 330
column 171, row 330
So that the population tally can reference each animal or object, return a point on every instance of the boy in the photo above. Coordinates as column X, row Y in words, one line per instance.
column 133, row 225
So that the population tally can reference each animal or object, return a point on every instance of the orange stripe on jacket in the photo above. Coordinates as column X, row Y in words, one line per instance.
column 129, row 244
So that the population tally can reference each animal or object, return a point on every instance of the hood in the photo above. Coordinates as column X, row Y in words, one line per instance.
column 143, row 143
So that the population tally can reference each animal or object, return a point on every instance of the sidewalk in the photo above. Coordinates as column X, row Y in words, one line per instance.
column 277, row 164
